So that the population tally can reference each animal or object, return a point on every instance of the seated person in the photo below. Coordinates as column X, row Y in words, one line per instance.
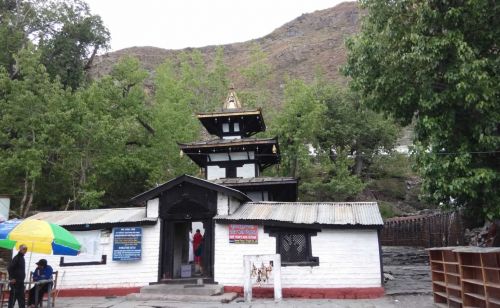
column 42, row 272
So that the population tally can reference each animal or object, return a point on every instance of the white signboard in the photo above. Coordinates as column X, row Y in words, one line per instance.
column 91, row 250
column 4, row 208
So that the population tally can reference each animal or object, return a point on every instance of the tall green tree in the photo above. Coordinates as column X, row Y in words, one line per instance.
column 204, row 84
column 181, row 89
column 329, row 140
column 29, row 117
column 437, row 63
column 257, row 74
column 67, row 34
column 61, row 149
column 296, row 126
column 174, row 122
column 352, row 128
column 106, row 165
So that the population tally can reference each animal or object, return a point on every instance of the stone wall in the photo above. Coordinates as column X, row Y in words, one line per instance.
column 406, row 270
column 435, row 230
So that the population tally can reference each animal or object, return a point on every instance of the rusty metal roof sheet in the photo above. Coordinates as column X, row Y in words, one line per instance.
column 322, row 213
column 93, row 217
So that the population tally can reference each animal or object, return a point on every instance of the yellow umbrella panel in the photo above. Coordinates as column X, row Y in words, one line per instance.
column 39, row 236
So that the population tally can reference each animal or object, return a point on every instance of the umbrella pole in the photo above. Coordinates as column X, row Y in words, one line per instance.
column 31, row 254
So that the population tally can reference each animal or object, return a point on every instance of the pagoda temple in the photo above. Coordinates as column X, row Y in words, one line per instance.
column 236, row 159
column 251, row 225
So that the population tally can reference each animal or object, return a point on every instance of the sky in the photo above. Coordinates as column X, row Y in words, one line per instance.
column 177, row 24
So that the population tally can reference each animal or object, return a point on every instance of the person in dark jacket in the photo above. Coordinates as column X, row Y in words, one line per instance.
column 42, row 272
column 17, row 274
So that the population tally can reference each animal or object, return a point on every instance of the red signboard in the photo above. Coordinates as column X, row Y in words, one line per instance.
column 243, row 234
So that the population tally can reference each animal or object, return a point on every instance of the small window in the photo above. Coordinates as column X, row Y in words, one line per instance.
column 236, row 127
column 225, row 127
column 230, row 172
column 294, row 246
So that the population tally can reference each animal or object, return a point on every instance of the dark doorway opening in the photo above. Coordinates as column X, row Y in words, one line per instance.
column 182, row 256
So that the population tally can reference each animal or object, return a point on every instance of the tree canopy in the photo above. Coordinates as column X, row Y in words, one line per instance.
column 66, row 33
column 329, row 140
column 437, row 63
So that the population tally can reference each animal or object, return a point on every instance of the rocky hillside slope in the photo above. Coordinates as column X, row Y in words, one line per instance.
column 299, row 48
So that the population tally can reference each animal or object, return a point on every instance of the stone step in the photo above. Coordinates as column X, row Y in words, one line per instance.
column 178, row 289
column 222, row 298
column 193, row 280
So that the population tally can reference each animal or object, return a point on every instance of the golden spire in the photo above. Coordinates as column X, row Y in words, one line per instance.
column 232, row 101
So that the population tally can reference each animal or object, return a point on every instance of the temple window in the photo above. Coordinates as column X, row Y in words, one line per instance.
column 294, row 246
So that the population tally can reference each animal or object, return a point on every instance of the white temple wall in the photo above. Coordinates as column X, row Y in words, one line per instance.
column 113, row 274
column 347, row 259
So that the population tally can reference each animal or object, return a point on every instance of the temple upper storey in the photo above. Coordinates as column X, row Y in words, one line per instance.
column 233, row 154
column 233, row 121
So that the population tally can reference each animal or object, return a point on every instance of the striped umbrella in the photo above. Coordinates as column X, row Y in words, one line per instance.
column 39, row 236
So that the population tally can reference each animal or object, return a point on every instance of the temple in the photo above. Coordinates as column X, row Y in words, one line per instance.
column 312, row 249
column 237, row 160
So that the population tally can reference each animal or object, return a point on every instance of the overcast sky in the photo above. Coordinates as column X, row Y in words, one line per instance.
column 177, row 24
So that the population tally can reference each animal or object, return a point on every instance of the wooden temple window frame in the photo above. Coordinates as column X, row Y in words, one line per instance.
column 278, row 233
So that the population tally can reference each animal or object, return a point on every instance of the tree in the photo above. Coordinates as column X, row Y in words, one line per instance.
column 329, row 140
column 60, row 148
column 72, row 40
column 29, row 115
column 67, row 34
column 173, row 122
column 438, row 63
column 352, row 128
column 296, row 126
column 204, row 86
column 107, row 163
column 257, row 75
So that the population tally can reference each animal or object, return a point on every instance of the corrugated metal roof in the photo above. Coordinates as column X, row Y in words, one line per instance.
column 92, row 217
column 324, row 213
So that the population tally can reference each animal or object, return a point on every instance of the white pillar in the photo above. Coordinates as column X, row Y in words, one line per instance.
column 247, row 285
column 277, row 278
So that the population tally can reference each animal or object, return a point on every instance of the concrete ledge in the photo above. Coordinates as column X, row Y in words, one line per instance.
column 165, row 289
column 333, row 293
column 97, row 292
column 223, row 298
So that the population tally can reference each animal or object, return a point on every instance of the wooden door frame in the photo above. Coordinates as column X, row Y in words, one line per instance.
column 166, row 258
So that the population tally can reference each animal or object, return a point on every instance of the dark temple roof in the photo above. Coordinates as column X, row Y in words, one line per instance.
column 266, row 150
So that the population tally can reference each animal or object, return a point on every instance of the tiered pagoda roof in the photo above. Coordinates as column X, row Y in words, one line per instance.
column 266, row 151
column 233, row 125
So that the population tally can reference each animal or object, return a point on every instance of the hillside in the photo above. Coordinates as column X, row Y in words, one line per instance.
column 298, row 49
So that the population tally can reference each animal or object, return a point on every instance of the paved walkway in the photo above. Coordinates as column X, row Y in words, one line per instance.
column 406, row 301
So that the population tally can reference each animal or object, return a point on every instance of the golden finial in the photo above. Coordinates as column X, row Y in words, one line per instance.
column 232, row 101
